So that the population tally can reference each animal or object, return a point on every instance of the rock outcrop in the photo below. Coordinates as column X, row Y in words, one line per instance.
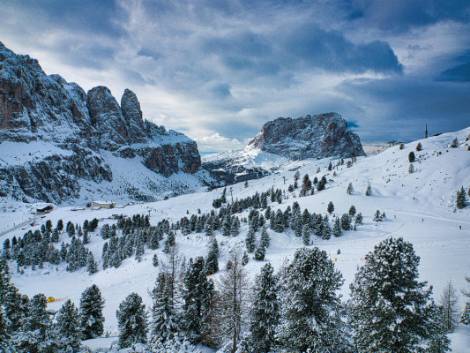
column 310, row 136
column 84, row 131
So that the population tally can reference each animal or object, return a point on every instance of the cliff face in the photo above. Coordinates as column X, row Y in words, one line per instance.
column 78, row 133
column 311, row 136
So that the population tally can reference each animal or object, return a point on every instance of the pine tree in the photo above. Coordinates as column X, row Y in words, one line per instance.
column 70, row 229
column 260, row 253
column 155, row 260
column 346, row 222
column 461, row 199
column 250, row 240
column 164, row 322
column 369, row 190
column 337, row 231
column 330, row 208
column 321, row 184
column 132, row 321
column 264, row 312
column 4, row 279
column 306, row 185
column 235, row 229
column 419, row 147
column 67, row 328
column 212, row 262
column 310, row 305
column 389, row 307
column 14, row 310
column 32, row 336
column 91, row 312
column 209, row 227
column 448, row 303
column 411, row 157
column 352, row 211
column 438, row 341
column 465, row 318
column 358, row 218
column 325, row 228
column 60, row 225
column 169, row 242
column 198, row 294
column 265, row 238
column 350, row 189
column 92, row 266
column 306, row 234
column 227, row 226
column 4, row 336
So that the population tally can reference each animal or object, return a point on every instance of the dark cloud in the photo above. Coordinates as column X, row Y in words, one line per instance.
column 330, row 50
column 400, row 107
column 223, row 68
column 402, row 15
column 103, row 17
column 459, row 73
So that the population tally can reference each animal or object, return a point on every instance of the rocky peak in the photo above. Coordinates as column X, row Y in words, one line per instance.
column 107, row 117
column 310, row 136
column 130, row 107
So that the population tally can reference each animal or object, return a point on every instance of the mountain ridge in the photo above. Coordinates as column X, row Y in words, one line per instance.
column 38, row 107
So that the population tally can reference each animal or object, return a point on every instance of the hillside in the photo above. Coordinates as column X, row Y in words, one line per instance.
column 419, row 206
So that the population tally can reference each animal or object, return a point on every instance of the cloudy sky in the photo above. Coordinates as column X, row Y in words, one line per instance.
column 217, row 70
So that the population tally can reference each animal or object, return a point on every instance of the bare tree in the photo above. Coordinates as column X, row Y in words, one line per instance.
column 233, row 302
column 449, row 307
column 174, row 270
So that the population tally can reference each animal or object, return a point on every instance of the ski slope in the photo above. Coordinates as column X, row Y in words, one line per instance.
column 419, row 207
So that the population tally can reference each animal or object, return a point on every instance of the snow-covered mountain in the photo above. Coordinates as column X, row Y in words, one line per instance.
column 309, row 136
column 419, row 206
column 283, row 140
column 58, row 143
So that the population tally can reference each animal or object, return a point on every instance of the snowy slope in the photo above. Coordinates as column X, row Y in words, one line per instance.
column 419, row 208
column 249, row 157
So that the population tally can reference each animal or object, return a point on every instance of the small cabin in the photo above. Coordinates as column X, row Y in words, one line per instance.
column 45, row 209
column 102, row 204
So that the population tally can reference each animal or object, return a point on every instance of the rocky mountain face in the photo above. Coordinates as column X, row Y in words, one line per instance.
column 283, row 140
column 310, row 136
column 79, row 133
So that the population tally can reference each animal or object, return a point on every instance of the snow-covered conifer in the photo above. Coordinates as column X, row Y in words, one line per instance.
column 264, row 312
column 212, row 262
column 91, row 312
column 67, row 328
column 337, row 231
column 330, row 208
column 92, row 266
column 132, row 321
column 384, row 290
column 265, row 238
column 260, row 253
column 310, row 304
column 250, row 240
